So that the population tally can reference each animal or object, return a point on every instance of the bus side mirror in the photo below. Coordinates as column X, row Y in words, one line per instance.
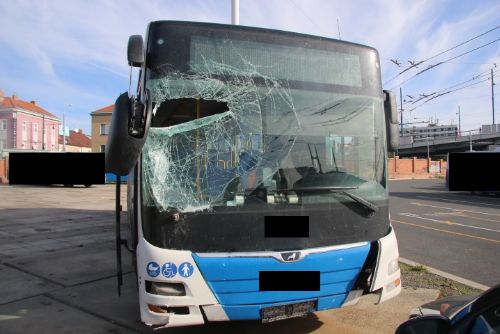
column 129, row 125
column 391, row 120
column 135, row 51
column 430, row 324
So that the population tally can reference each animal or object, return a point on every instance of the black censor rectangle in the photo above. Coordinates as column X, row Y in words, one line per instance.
column 56, row 168
column 474, row 171
column 289, row 280
column 286, row 227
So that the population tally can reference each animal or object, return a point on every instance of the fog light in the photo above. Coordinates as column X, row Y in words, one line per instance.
column 156, row 309
column 393, row 267
column 182, row 310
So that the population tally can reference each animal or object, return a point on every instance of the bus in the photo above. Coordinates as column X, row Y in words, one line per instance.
column 257, row 177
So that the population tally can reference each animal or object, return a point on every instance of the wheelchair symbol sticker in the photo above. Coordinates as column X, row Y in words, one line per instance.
column 169, row 270
column 186, row 269
column 153, row 269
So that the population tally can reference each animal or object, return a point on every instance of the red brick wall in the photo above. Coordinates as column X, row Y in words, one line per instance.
column 415, row 168
column 3, row 171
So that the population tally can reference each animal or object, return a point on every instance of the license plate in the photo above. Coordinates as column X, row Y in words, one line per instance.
column 275, row 313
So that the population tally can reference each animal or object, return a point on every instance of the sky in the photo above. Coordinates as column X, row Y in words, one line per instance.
column 70, row 56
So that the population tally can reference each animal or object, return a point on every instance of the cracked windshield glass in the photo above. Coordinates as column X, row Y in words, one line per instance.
column 234, row 128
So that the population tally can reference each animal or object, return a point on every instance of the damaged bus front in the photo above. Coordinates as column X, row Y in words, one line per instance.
column 235, row 130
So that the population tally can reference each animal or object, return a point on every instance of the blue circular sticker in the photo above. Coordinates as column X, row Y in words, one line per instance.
column 153, row 269
column 186, row 269
column 169, row 270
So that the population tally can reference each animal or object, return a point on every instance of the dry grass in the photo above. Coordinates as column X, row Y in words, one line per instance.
column 419, row 277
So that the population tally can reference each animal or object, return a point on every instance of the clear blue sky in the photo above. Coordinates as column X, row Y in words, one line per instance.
column 62, row 53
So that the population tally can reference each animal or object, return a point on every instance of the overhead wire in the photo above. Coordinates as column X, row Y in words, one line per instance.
column 440, row 63
column 307, row 16
column 414, row 65
column 424, row 96
column 458, row 45
column 450, row 91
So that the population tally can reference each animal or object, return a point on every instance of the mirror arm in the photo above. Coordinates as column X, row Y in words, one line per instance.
column 137, row 118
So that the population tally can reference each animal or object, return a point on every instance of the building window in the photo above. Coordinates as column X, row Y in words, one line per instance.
column 103, row 148
column 45, row 138
column 25, row 132
column 35, row 132
column 53, row 136
column 3, row 124
column 104, row 128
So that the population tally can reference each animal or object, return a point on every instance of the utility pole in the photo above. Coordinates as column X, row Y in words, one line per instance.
column 338, row 28
column 64, row 134
column 470, row 140
column 64, row 130
column 492, row 98
column 235, row 12
column 43, row 132
column 428, row 156
column 459, row 127
column 401, row 105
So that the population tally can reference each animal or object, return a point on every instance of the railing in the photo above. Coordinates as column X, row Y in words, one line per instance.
column 462, row 136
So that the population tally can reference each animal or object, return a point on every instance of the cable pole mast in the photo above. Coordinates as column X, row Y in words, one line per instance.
column 492, row 97
column 401, row 104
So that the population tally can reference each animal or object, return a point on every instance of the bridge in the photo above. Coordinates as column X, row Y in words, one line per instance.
column 439, row 146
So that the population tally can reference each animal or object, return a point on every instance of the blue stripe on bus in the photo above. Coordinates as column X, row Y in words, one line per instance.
column 248, row 312
column 235, row 280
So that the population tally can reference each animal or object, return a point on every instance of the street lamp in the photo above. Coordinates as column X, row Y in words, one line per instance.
column 64, row 128
column 428, row 156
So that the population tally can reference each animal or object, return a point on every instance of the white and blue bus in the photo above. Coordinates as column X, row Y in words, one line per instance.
column 257, row 177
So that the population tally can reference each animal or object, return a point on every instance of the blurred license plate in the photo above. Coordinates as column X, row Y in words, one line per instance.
column 275, row 313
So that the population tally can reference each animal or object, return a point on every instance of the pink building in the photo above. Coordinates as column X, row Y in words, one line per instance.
column 25, row 125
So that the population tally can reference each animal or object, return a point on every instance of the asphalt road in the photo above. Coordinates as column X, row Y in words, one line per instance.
column 456, row 232
column 57, row 274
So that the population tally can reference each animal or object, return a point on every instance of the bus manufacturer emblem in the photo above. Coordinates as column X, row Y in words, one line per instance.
column 290, row 256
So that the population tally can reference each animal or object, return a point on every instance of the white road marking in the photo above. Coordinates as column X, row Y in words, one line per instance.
column 460, row 214
column 457, row 200
column 454, row 209
column 444, row 231
column 414, row 215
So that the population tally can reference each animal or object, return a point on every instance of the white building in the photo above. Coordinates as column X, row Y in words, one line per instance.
column 419, row 134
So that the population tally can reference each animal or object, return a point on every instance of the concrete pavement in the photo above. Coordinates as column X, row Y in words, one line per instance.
column 57, row 269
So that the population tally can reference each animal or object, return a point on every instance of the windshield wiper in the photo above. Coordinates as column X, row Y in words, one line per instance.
column 342, row 190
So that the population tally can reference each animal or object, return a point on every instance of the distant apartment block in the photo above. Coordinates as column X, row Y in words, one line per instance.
column 26, row 126
column 101, row 120
column 419, row 134
column 490, row 128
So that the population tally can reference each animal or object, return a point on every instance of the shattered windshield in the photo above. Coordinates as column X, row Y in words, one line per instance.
column 243, row 124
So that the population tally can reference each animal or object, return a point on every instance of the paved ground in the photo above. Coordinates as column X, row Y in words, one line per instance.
column 57, row 268
column 456, row 232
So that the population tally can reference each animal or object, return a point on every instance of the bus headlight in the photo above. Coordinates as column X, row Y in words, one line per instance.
column 165, row 288
column 393, row 267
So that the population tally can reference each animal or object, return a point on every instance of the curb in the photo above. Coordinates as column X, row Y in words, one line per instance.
column 446, row 275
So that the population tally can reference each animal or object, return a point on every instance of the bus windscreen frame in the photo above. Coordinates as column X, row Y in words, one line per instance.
column 169, row 50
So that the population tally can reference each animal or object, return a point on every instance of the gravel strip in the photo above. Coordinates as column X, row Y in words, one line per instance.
column 420, row 277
